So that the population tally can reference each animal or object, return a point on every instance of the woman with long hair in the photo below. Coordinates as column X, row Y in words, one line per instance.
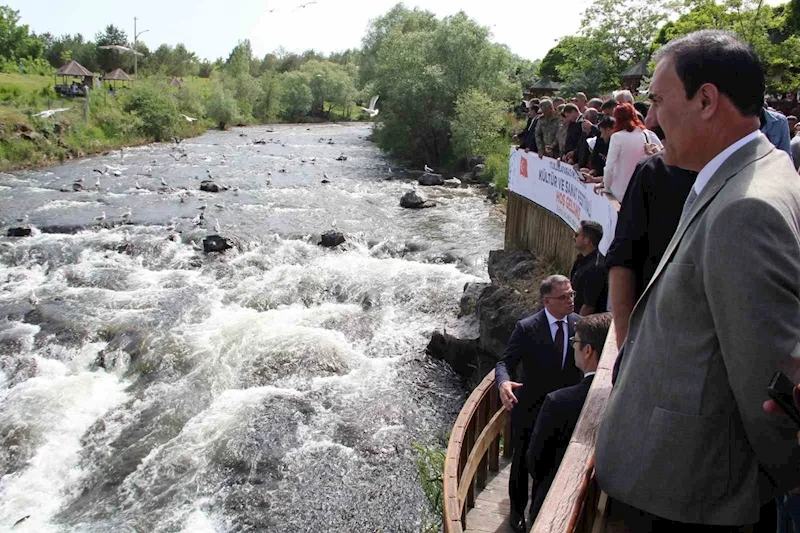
column 630, row 143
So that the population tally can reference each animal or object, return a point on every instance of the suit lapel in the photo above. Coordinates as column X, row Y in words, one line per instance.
column 747, row 154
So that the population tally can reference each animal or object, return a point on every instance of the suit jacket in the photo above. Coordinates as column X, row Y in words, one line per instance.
column 528, row 136
column 551, row 434
column 574, row 132
column 684, row 435
column 531, row 345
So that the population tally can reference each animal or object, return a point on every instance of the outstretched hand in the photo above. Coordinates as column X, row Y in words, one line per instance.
column 507, row 394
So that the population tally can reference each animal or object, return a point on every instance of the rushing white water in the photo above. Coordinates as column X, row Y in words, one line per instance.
column 145, row 386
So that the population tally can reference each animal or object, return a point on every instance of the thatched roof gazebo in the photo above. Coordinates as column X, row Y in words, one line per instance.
column 117, row 75
column 75, row 70
column 632, row 77
column 176, row 82
column 544, row 87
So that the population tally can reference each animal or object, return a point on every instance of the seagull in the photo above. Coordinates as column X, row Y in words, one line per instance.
column 34, row 301
column 50, row 112
column 428, row 169
column 97, row 184
column 217, row 229
column 127, row 215
column 325, row 178
column 219, row 206
column 196, row 246
column 80, row 180
column 102, row 173
column 371, row 111
column 209, row 174
column 188, row 118
column 203, row 207
column 333, row 224
column 136, row 184
column 390, row 170
column 164, row 183
column 117, row 173
column 101, row 218
column 23, row 219
column 235, row 191
column 303, row 6
column 182, row 196
column 269, row 178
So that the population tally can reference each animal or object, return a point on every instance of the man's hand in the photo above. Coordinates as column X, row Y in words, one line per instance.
column 771, row 407
column 507, row 394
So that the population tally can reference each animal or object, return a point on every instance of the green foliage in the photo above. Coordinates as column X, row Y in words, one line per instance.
column 16, row 41
column 238, row 62
column 221, row 106
column 155, row 107
column 108, row 60
column 38, row 66
column 430, row 472
column 68, row 47
column 267, row 106
column 477, row 124
column 172, row 62
column 329, row 83
column 497, row 166
column 112, row 119
column 189, row 102
column 422, row 66
column 296, row 96
column 245, row 89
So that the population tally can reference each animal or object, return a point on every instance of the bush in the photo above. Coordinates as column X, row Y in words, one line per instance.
column 40, row 67
column 189, row 103
column 430, row 472
column 156, row 109
column 477, row 124
column 114, row 122
column 221, row 107
column 497, row 168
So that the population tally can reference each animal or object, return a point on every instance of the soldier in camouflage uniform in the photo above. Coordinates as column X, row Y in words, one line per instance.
column 547, row 129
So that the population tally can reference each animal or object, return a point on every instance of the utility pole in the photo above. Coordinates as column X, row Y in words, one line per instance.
column 135, row 51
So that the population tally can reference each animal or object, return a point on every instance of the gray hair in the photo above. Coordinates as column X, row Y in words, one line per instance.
column 550, row 283
column 627, row 96
column 591, row 115
column 545, row 104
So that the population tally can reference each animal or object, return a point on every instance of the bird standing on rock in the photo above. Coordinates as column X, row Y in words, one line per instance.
column 325, row 178
column 428, row 169
column 164, row 183
column 102, row 218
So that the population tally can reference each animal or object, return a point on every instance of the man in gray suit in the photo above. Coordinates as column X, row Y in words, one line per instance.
column 685, row 444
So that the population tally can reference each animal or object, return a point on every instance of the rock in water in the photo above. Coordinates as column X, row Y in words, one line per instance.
column 472, row 162
column 414, row 200
column 331, row 238
column 431, row 179
column 508, row 266
column 215, row 243
column 22, row 231
column 472, row 292
column 210, row 186
column 452, row 182
column 479, row 171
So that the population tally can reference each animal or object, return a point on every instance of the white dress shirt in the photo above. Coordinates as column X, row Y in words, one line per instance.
column 586, row 375
column 625, row 150
column 712, row 166
column 553, row 328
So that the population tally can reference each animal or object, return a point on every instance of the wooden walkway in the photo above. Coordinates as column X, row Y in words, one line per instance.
column 492, row 507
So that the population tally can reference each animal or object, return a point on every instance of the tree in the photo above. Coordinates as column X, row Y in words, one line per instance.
column 329, row 83
column 16, row 41
column 266, row 108
column 239, row 60
column 108, row 60
column 477, row 123
column 221, row 106
column 296, row 95
column 156, row 108
column 60, row 50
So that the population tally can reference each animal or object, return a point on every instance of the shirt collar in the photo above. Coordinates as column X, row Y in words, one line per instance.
column 586, row 375
column 704, row 176
column 551, row 319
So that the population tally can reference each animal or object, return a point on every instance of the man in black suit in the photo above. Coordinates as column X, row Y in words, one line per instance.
column 540, row 344
column 527, row 137
column 574, row 131
column 559, row 413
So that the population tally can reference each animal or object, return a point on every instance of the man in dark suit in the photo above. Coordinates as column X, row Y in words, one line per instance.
column 574, row 131
column 540, row 344
column 559, row 413
column 527, row 137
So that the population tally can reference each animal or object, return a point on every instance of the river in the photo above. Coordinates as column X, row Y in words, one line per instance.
column 146, row 386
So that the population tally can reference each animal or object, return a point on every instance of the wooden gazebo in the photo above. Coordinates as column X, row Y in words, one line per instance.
column 75, row 70
column 632, row 78
column 117, row 75
column 544, row 87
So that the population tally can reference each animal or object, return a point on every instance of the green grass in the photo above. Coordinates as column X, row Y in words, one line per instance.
column 27, row 82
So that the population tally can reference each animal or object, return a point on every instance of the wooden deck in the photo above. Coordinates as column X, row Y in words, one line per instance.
column 492, row 507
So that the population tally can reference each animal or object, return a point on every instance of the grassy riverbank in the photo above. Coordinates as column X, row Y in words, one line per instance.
column 150, row 111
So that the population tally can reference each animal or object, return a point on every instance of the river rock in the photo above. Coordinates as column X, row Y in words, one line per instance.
column 331, row 238
column 472, row 291
column 472, row 162
column 458, row 343
column 342, row 158
column 498, row 310
column 215, row 243
column 452, row 182
column 22, row 231
column 479, row 171
column 210, row 186
column 511, row 266
column 430, row 178
column 414, row 200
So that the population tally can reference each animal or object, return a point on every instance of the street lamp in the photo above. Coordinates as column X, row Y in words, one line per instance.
column 136, row 56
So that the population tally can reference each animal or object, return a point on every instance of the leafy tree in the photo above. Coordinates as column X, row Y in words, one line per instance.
column 156, row 108
column 239, row 60
column 245, row 89
column 16, row 41
column 60, row 50
column 266, row 107
column 205, row 69
column 108, row 60
column 329, row 83
column 221, row 107
column 296, row 95
column 477, row 124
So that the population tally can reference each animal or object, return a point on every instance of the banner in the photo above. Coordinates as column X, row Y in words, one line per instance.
column 556, row 187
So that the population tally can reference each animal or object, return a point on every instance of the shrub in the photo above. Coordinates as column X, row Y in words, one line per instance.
column 221, row 107
column 295, row 95
column 156, row 109
column 189, row 103
column 114, row 122
column 477, row 124
column 497, row 168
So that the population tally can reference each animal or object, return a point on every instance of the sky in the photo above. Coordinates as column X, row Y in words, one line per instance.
column 211, row 28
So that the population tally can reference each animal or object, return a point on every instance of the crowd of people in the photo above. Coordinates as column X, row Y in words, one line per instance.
column 702, row 280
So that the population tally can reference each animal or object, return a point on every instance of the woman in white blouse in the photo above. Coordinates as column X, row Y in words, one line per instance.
column 630, row 143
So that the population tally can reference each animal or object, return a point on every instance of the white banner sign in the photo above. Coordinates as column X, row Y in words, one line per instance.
column 556, row 187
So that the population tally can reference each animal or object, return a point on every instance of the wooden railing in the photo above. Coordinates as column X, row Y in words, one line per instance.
column 574, row 503
column 473, row 451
